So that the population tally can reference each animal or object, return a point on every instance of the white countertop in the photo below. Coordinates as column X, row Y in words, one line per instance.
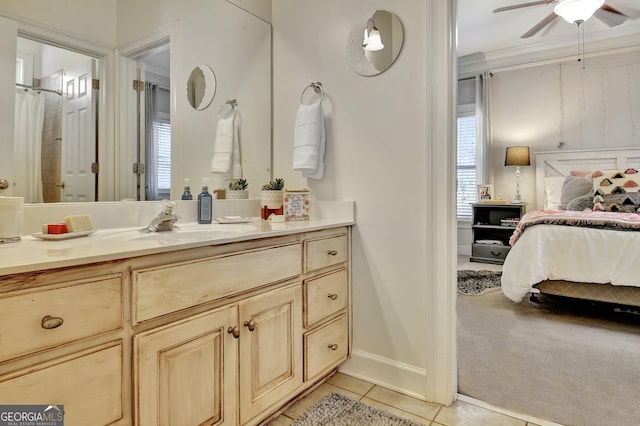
column 34, row 254
column 118, row 237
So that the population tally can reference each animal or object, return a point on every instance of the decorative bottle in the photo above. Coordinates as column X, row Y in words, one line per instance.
column 205, row 204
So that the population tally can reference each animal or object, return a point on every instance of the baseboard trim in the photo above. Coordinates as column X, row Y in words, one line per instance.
column 394, row 375
column 482, row 404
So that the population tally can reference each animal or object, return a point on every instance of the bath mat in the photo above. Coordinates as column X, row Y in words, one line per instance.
column 338, row 410
column 475, row 283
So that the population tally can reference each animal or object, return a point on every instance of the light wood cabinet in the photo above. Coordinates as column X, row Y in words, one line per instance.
column 184, row 372
column 270, row 350
column 217, row 335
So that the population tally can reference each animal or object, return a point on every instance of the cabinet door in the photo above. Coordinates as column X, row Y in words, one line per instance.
column 270, row 349
column 185, row 372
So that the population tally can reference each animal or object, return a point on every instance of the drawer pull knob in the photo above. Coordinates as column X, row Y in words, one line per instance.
column 251, row 325
column 234, row 331
column 332, row 296
column 332, row 252
column 49, row 322
column 333, row 347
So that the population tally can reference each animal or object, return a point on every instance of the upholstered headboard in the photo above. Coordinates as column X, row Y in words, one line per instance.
column 560, row 163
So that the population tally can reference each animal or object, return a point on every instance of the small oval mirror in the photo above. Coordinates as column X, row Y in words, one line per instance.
column 201, row 87
column 374, row 43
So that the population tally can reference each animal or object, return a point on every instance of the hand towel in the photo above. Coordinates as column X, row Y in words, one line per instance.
column 236, row 171
column 223, row 147
column 309, row 141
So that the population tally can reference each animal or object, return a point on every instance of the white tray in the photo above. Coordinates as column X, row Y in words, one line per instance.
column 65, row 236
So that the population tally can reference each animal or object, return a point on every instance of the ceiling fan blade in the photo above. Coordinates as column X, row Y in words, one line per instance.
column 611, row 17
column 521, row 5
column 540, row 25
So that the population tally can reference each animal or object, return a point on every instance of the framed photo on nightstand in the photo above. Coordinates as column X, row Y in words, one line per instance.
column 485, row 192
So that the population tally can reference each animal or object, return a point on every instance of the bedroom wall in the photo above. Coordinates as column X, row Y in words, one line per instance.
column 562, row 106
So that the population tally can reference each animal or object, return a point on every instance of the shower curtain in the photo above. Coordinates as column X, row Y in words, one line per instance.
column 27, row 145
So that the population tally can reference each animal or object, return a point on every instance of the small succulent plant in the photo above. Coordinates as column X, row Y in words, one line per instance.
column 238, row 185
column 274, row 185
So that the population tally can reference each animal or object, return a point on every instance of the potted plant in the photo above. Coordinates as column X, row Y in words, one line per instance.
column 272, row 194
column 238, row 190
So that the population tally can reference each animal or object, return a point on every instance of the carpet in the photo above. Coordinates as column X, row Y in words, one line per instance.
column 338, row 410
column 478, row 282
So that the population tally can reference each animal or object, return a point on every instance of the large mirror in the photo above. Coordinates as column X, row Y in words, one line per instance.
column 80, row 26
column 374, row 43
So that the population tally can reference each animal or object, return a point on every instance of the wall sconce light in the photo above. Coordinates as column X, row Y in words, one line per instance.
column 372, row 41
column 517, row 156
column 577, row 11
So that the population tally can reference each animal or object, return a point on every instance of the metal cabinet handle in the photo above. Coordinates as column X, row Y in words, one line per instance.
column 49, row 322
column 333, row 346
column 493, row 253
column 332, row 252
column 332, row 296
column 251, row 325
column 4, row 184
column 234, row 331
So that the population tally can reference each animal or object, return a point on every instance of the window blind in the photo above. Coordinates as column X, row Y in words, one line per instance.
column 466, row 191
column 162, row 138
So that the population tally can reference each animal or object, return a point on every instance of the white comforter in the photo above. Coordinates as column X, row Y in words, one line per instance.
column 571, row 253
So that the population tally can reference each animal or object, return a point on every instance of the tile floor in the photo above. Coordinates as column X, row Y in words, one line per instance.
column 430, row 414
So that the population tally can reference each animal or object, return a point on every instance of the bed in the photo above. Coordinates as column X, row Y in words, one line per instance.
column 593, row 256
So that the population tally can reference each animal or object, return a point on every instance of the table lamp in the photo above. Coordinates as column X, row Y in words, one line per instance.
column 517, row 156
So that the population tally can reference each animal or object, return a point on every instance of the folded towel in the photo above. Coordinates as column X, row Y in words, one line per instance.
column 236, row 171
column 309, row 141
column 223, row 147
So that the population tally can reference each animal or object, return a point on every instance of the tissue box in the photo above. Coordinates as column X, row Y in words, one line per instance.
column 296, row 205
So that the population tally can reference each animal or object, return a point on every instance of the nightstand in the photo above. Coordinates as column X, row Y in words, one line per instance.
column 490, row 237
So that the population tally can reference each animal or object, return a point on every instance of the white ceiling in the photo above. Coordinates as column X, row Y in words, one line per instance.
column 481, row 30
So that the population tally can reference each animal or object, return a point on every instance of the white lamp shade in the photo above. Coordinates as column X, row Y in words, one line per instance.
column 577, row 10
column 374, row 43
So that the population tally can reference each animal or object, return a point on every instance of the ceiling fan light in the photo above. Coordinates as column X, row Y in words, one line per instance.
column 574, row 11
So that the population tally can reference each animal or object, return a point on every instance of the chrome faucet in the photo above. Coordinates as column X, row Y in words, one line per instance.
column 165, row 220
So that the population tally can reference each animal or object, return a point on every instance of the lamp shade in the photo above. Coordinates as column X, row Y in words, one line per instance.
column 517, row 156
column 577, row 10
column 374, row 42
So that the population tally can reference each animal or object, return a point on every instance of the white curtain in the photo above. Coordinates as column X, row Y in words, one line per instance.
column 151, row 144
column 28, row 145
column 483, row 126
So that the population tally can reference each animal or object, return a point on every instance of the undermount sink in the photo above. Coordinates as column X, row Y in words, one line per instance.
column 184, row 231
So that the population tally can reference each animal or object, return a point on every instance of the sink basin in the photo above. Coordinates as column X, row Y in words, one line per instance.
column 184, row 231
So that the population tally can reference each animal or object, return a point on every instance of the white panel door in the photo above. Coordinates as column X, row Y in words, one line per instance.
column 78, row 134
column 8, row 39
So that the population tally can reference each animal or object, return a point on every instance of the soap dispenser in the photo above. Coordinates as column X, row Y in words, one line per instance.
column 205, row 203
column 186, row 195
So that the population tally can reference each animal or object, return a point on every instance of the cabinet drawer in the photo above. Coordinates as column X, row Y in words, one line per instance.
column 80, row 310
column 88, row 384
column 163, row 289
column 325, row 252
column 490, row 251
column 325, row 296
column 326, row 347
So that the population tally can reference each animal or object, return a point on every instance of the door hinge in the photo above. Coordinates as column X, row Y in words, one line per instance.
column 138, row 168
column 138, row 85
column 95, row 84
column 95, row 168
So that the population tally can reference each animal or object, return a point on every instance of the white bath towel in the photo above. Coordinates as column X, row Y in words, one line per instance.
column 309, row 141
column 236, row 170
column 223, row 147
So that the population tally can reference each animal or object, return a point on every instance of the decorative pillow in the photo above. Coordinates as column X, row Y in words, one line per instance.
column 581, row 204
column 618, row 203
column 552, row 192
column 580, row 173
column 615, row 181
column 574, row 187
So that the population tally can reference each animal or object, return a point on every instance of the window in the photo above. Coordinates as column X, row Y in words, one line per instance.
column 162, row 138
column 467, row 166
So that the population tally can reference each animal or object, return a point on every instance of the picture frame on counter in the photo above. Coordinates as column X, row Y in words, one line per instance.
column 296, row 205
column 485, row 192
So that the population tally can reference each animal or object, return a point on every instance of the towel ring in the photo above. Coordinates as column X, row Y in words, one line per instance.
column 233, row 103
column 317, row 88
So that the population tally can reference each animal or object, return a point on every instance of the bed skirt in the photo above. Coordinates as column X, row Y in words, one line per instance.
column 620, row 295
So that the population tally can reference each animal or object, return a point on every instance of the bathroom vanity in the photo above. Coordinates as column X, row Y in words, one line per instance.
column 220, row 327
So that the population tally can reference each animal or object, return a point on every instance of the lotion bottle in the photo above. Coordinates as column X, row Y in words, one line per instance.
column 205, row 203
column 186, row 195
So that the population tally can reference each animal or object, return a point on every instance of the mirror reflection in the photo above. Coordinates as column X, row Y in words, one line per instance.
column 201, row 87
column 375, row 43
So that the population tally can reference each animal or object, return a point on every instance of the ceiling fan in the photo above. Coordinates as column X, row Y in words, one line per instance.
column 566, row 8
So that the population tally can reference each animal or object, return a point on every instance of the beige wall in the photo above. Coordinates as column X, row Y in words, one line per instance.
column 376, row 151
